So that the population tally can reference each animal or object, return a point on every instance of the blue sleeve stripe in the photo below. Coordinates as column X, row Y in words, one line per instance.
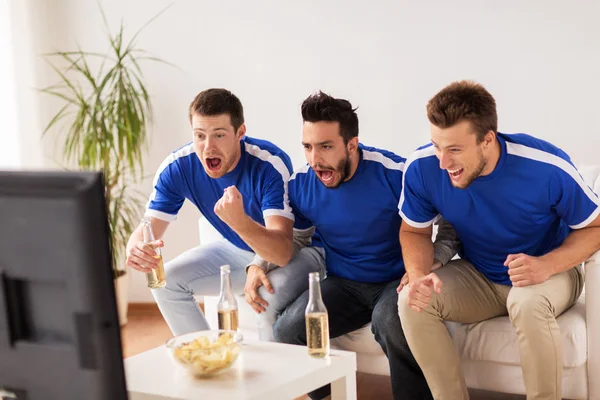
column 422, row 153
column 548, row 158
column 385, row 161
column 279, row 166
column 171, row 158
column 160, row 215
column 301, row 170
column 280, row 213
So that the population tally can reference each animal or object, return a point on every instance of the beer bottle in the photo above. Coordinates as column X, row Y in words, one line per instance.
column 227, row 306
column 156, row 277
column 317, row 322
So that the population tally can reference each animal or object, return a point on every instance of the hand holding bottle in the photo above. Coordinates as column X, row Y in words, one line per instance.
column 142, row 256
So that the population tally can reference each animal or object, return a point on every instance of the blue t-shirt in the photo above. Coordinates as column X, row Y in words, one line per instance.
column 261, row 176
column 528, row 204
column 356, row 223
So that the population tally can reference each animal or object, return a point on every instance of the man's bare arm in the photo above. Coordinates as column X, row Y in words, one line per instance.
column 417, row 250
column 301, row 238
column 577, row 247
column 272, row 242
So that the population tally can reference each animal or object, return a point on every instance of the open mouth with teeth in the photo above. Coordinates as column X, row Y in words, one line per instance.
column 455, row 174
column 326, row 176
column 213, row 163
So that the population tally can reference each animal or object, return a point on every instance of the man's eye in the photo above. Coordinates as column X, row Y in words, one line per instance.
column 327, row 147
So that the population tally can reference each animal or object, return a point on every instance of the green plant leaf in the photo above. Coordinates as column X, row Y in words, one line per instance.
column 106, row 112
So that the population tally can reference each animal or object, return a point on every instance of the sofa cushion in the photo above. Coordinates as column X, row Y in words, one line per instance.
column 591, row 175
column 360, row 341
column 496, row 340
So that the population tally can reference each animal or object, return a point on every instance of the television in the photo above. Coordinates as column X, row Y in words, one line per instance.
column 59, row 329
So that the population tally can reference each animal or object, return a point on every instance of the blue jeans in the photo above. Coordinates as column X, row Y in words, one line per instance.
column 350, row 306
column 197, row 271
column 288, row 284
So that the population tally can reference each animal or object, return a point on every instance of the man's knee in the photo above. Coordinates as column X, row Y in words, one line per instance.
column 290, row 328
column 385, row 316
column 174, row 273
column 402, row 304
column 525, row 305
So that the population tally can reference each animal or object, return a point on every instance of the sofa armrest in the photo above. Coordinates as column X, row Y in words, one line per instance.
column 592, row 311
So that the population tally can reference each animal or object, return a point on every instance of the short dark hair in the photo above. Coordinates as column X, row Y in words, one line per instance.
column 322, row 107
column 464, row 101
column 216, row 102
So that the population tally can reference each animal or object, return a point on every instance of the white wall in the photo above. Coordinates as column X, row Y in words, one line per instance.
column 9, row 151
column 540, row 59
column 22, row 24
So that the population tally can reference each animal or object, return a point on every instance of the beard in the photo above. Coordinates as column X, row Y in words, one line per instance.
column 342, row 169
column 475, row 174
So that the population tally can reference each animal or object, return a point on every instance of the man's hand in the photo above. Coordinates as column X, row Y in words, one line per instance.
column 142, row 256
column 230, row 207
column 404, row 281
column 525, row 270
column 255, row 279
column 419, row 291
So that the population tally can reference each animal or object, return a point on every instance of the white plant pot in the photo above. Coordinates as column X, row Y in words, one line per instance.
column 122, row 293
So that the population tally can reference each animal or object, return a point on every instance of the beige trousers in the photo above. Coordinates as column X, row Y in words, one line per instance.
column 468, row 297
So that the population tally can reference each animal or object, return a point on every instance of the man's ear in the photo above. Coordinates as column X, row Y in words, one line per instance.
column 489, row 138
column 353, row 145
column 241, row 132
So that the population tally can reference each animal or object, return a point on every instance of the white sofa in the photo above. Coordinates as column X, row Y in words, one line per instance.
column 489, row 350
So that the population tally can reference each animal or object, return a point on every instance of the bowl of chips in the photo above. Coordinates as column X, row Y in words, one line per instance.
column 206, row 353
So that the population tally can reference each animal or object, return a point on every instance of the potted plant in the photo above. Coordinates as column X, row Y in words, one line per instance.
column 104, row 122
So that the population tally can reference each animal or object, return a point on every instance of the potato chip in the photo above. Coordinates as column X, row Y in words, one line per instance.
column 205, row 358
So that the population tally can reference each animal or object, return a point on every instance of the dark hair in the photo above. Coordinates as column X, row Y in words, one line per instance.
column 464, row 101
column 216, row 102
column 322, row 107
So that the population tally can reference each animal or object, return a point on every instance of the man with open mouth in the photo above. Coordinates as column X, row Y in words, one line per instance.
column 526, row 221
column 347, row 195
column 239, row 184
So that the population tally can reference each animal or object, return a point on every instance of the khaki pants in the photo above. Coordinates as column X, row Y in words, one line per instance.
column 468, row 297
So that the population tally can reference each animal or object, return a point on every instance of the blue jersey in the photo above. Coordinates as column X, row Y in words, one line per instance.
column 261, row 177
column 356, row 223
column 528, row 204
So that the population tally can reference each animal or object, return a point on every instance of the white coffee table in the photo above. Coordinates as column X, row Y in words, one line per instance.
column 262, row 371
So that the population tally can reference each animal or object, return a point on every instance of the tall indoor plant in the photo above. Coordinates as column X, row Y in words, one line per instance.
column 104, row 119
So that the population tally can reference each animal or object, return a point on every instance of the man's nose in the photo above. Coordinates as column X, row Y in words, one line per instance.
column 313, row 157
column 445, row 160
column 209, row 144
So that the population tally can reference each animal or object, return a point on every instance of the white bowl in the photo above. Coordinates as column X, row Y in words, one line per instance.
column 206, row 353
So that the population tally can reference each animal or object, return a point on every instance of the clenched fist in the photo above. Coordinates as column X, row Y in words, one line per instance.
column 525, row 270
column 230, row 207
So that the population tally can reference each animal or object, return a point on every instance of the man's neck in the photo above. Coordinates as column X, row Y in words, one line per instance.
column 354, row 160
column 238, row 157
column 493, row 159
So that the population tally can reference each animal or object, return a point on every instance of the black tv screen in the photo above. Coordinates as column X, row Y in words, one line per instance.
column 59, row 330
